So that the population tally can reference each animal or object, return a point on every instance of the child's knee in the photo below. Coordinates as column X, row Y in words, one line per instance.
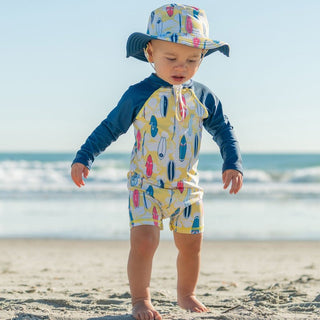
column 188, row 243
column 145, row 239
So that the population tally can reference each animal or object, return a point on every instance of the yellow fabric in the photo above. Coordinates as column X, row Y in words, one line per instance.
column 163, row 168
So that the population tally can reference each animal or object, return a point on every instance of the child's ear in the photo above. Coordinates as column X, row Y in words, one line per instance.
column 149, row 51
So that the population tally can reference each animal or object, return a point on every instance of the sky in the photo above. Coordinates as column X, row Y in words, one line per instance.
column 63, row 68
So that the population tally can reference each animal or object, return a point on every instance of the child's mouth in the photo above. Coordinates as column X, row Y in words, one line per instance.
column 178, row 78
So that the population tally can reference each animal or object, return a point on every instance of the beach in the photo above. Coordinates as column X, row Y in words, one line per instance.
column 260, row 257
column 74, row 279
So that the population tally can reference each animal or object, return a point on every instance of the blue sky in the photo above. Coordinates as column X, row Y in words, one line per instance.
column 63, row 68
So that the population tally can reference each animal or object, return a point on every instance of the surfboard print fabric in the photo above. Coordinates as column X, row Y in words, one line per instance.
column 170, row 146
column 169, row 160
column 163, row 180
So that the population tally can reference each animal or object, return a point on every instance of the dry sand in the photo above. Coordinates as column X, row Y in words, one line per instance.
column 74, row 280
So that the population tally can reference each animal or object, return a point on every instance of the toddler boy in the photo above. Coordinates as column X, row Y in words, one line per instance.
column 168, row 111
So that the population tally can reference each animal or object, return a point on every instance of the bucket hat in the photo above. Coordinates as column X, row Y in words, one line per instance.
column 179, row 24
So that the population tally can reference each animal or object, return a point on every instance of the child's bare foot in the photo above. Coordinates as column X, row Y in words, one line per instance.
column 191, row 303
column 144, row 310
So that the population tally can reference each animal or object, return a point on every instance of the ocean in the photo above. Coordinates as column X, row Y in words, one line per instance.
column 280, row 199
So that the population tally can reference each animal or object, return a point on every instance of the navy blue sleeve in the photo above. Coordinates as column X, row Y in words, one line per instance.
column 219, row 127
column 118, row 122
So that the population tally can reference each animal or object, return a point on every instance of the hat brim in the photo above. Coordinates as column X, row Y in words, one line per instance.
column 138, row 41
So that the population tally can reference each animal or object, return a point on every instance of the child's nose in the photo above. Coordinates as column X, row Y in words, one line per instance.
column 181, row 65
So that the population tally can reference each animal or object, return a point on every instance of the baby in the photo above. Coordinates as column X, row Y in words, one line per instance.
column 168, row 111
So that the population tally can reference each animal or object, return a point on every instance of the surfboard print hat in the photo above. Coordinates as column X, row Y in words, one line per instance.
column 176, row 23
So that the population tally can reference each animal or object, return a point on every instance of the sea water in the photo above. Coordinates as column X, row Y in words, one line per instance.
column 280, row 198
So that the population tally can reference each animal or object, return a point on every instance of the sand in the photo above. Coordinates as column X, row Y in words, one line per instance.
column 60, row 280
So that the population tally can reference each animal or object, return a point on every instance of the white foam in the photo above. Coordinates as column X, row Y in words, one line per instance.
column 111, row 176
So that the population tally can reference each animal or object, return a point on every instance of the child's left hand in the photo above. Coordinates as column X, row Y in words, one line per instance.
column 233, row 176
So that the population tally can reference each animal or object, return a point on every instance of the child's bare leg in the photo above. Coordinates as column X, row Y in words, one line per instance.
column 188, row 266
column 144, row 242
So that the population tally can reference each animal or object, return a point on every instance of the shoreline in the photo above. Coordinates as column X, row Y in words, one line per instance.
column 166, row 240
column 59, row 279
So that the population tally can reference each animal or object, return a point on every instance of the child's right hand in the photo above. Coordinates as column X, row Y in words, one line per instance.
column 77, row 171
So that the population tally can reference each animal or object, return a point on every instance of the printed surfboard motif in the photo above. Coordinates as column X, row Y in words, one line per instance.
column 174, row 37
column 154, row 126
column 152, row 16
column 175, row 213
column 196, row 42
column 145, row 201
column 144, row 136
column 155, row 216
column 196, row 13
column 205, row 44
column 131, row 217
column 171, row 170
column 134, row 179
column 138, row 138
column 187, row 212
column 135, row 147
column 163, row 106
column 189, row 26
column 160, row 183
column 135, row 198
column 162, row 148
column 189, row 165
column 149, row 191
column 170, row 201
column 180, row 186
column 182, row 148
column 149, row 166
column 174, row 127
column 169, row 11
column 196, row 145
column 195, row 225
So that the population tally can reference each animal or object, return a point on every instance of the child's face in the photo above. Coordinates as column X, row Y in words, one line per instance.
column 174, row 62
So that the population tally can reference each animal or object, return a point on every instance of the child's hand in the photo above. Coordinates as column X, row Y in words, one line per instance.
column 77, row 170
column 233, row 176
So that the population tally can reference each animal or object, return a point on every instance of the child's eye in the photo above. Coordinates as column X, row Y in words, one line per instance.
column 192, row 61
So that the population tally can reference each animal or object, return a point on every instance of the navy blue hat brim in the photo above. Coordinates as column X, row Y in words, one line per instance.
column 138, row 41
column 135, row 44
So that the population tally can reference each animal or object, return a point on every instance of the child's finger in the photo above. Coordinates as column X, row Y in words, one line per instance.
column 227, row 180
column 85, row 172
column 77, row 179
column 236, row 184
column 77, row 171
